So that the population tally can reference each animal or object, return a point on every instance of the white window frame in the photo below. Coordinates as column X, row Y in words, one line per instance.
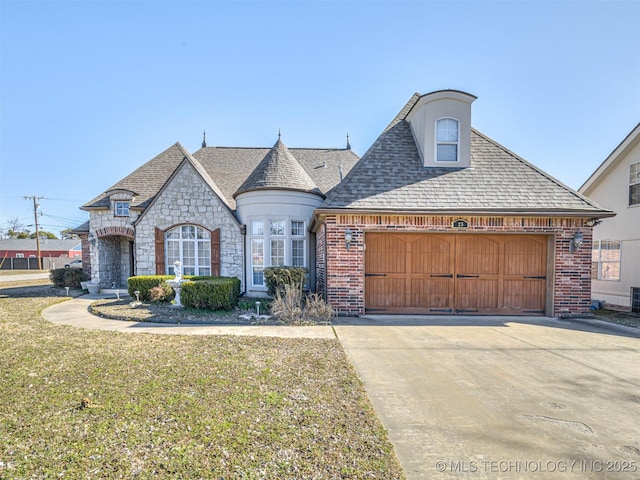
column 298, row 238
column 438, row 142
column 600, row 265
column 121, row 208
column 19, row 255
column 634, row 181
column 201, row 263
column 274, row 229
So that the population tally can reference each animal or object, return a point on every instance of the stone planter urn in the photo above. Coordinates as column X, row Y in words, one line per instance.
column 93, row 288
column 84, row 284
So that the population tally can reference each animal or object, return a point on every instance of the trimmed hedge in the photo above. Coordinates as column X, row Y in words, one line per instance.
column 68, row 277
column 144, row 283
column 211, row 293
column 275, row 278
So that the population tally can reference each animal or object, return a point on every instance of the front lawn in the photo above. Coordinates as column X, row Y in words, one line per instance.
column 88, row 404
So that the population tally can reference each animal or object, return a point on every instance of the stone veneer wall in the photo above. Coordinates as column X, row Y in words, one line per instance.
column 101, row 265
column 189, row 200
column 343, row 270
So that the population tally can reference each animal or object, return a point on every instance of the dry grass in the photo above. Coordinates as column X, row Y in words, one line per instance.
column 617, row 316
column 87, row 404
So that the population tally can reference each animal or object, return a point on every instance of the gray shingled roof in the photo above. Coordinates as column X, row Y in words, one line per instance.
column 279, row 170
column 228, row 167
column 390, row 176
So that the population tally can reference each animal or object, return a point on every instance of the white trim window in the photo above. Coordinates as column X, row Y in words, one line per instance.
column 276, row 242
column 298, row 234
column 447, row 140
column 605, row 260
column 121, row 209
column 257, row 252
column 19, row 255
column 192, row 246
column 634, row 184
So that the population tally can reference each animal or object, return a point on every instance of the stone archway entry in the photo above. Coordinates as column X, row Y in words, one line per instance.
column 468, row 274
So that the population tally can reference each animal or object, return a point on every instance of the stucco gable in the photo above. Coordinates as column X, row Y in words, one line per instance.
column 614, row 158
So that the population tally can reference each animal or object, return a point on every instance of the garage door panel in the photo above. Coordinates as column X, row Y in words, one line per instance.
column 386, row 254
column 432, row 254
column 476, row 294
column 431, row 293
column 385, row 292
column 524, row 295
column 477, row 255
column 525, row 256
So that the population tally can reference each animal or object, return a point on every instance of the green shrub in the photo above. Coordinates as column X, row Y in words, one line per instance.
column 216, row 293
column 68, row 277
column 276, row 278
column 144, row 284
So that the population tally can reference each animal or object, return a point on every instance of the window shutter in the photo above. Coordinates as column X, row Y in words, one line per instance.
column 159, row 251
column 215, row 253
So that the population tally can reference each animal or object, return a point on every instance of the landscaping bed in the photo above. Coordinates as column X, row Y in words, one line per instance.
column 125, row 309
column 617, row 316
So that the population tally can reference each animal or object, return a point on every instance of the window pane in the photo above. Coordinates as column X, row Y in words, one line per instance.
column 447, row 153
column 447, row 130
column 277, row 253
column 257, row 252
column 634, row 173
column 204, row 254
column 203, row 234
column 277, row 227
column 257, row 228
column 258, row 276
column 594, row 270
column 297, row 228
column 610, row 271
column 634, row 194
column 297, row 253
column 188, row 232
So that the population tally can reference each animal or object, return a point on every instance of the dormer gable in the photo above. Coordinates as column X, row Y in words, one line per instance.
column 441, row 126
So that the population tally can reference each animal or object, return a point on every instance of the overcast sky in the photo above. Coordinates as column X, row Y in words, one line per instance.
column 90, row 90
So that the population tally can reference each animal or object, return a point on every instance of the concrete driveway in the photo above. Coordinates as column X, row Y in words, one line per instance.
column 502, row 397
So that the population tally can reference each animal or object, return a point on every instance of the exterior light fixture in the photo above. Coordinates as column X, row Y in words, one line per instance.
column 576, row 241
column 92, row 239
column 348, row 237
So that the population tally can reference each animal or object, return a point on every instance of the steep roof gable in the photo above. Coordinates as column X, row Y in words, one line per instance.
column 146, row 180
column 390, row 177
column 279, row 170
column 613, row 159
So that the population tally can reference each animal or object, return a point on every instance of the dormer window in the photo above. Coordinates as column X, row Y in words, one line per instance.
column 447, row 140
column 121, row 209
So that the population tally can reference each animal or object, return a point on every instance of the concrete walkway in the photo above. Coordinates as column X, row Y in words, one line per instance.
column 75, row 313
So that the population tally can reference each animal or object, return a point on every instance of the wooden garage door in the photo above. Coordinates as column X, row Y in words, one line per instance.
column 455, row 273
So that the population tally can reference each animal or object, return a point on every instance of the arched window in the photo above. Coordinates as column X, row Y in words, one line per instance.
column 447, row 140
column 192, row 246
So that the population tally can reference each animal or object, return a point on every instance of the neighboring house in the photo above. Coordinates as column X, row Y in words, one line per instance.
column 435, row 218
column 616, row 241
column 54, row 253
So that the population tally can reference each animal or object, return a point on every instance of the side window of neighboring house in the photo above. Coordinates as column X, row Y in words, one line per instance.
column 19, row 255
column 605, row 260
column 634, row 184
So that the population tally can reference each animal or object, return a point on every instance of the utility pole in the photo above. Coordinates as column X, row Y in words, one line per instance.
column 35, row 217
